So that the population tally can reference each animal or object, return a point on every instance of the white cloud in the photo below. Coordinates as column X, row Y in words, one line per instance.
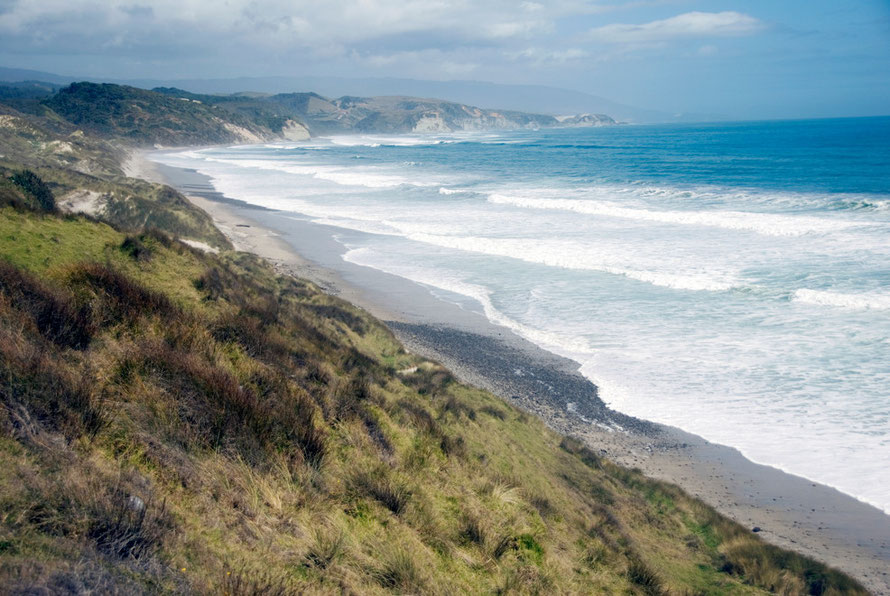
column 518, row 29
column 294, row 22
column 689, row 25
column 544, row 57
column 427, row 63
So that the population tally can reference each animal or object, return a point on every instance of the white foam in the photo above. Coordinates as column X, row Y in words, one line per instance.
column 353, row 176
column 386, row 141
column 453, row 191
column 569, row 255
column 770, row 224
column 559, row 343
column 872, row 301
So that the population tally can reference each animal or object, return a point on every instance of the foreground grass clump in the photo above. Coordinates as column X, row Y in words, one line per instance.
column 175, row 421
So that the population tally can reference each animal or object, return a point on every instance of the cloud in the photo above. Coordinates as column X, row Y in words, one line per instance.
column 291, row 22
column 426, row 63
column 546, row 57
column 691, row 25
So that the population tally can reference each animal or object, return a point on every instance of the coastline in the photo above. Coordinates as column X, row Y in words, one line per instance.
column 793, row 512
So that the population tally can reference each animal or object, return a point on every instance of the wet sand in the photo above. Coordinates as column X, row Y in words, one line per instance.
column 792, row 512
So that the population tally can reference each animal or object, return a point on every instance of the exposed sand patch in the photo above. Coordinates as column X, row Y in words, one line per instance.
column 88, row 202
column 202, row 246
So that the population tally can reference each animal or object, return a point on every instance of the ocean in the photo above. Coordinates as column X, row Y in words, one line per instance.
column 730, row 279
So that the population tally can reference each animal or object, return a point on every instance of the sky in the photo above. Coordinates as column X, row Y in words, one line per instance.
column 743, row 59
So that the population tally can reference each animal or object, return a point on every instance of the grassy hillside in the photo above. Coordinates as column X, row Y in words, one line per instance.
column 176, row 421
column 84, row 172
column 146, row 118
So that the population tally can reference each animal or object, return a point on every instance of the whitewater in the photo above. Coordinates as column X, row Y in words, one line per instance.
column 732, row 280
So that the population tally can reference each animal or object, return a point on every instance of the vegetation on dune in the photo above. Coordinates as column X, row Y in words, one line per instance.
column 147, row 118
column 177, row 421
column 83, row 173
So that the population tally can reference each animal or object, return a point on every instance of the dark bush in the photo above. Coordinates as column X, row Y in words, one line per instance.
column 126, row 527
column 641, row 575
column 582, row 451
column 355, row 360
column 341, row 315
column 263, row 342
column 379, row 484
column 244, row 582
column 349, row 398
column 37, row 188
column 136, row 249
column 158, row 236
column 420, row 418
column 428, row 381
column 494, row 412
column 457, row 407
column 121, row 298
column 38, row 389
column 54, row 313
column 372, row 426
column 221, row 413
column 211, row 283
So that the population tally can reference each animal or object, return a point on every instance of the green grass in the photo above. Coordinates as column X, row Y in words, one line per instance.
column 279, row 440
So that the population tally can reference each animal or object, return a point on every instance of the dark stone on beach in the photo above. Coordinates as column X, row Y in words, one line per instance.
column 497, row 361
column 755, row 529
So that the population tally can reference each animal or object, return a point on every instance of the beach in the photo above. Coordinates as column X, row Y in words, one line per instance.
column 789, row 511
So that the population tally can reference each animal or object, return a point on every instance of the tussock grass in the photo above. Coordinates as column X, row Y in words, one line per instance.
column 180, row 422
column 382, row 485
column 52, row 311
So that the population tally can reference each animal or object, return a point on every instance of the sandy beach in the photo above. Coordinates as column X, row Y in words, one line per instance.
column 789, row 511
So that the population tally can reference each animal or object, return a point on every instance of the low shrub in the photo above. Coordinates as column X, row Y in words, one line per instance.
column 400, row 572
column 336, row 313
column 253, row 582
column 429, row 381
column 120, row 299
column 125, row 526
column 379, row 484
column 55, row 314
column 328, row 545
column 221, row 413
column 582, row 451
column 457, row 407
column 37, row 388
column 136, row 249
column 32, row 184
column 639, row 574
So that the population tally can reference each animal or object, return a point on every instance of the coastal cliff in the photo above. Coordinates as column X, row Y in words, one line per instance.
column 411, row 114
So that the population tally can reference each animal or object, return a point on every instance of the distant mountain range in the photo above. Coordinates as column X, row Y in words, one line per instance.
column 520, row 98
column 168, row 116
column 388, row 114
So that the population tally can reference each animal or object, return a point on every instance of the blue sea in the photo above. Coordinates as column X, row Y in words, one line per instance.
column 732, row 280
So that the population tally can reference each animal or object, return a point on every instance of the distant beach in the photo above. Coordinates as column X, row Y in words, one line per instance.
column 788, row 510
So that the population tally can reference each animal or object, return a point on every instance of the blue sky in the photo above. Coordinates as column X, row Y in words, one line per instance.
column 752, row 59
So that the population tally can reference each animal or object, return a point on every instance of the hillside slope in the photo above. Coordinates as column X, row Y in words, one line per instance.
column 175, row 421
column 349, row 114
column 85, row 175
column 147, row 118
